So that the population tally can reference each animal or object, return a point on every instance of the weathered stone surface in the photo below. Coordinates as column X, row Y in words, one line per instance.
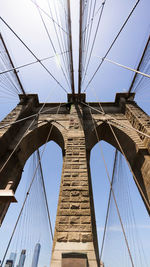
column 62, row 237
column 65, row 193
column 74, row 237
column 85, row 205
column 87, row 238
column 65, row 206
column 74, row 132
column 63, row 219
column 85, row 219
column 75, row 193
column 74, row 212
column 74, row 228
column 75, row 206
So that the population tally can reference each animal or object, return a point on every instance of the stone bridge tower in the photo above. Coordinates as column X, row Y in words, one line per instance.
column 76, row 128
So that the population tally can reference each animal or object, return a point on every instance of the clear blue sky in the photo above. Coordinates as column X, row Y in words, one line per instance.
column 23, row 17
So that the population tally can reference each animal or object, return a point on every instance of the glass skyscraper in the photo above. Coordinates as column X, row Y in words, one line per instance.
column 36, row 255
column 22, row 258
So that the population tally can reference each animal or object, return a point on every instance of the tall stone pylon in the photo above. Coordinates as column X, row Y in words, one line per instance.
column 76, row 127
column 75, row 239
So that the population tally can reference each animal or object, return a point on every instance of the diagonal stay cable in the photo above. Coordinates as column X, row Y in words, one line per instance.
column 147, row 204
column 12, row 64
column 49, row 17
column 108, row 205
column 32, row 53
column 28, row 128
column 126, row 67
column 31, row 63
column 112, row 44
column 139, row 65
column 27, row 194
column 113, row 194
column 117, row 121
column 28, row 117
column 45, row 195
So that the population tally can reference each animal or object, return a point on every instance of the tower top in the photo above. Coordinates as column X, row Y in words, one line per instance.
column 76, row 98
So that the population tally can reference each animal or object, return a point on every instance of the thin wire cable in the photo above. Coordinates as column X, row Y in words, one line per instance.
column 128, row 68
column 113, row 194
column 31, row 63
column 121, row 149
column 22, row 137
column 49, row 17
column 117, row 121
column 112, row 44
column 45, row 195
column 60, row 41
column 108, row 205
column 51, row 42
column 33, row 54
column 27, row 194
column 95, row 36
column 29, row 117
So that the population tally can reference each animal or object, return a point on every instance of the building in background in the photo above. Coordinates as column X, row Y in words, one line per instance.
column 9, row 263
column 36, row 255
column 22, row 258
column 13, row 258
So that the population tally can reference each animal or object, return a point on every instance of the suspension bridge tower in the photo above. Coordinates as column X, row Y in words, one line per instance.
column 76, row 126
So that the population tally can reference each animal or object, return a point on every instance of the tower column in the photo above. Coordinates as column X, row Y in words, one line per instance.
column 75, row 238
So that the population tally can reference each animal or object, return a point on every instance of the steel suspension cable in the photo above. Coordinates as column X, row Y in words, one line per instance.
column 113, row 194
column 33, row 54
column 45, row 195
column 28, row 117
column 70, row 47
column 128, row 68
column 117, row 121
column 51, row 42
column 85, row 27
column 122, row 151
column 9, row 57
column 93, row 43
column 108, row 205
column 82, row 42
column 60, row 41
column 27, row 194
column 88, row 35
column 49, row 16
column 138, row 67
column 28, row 128
column 31, row 63
column 112, row 44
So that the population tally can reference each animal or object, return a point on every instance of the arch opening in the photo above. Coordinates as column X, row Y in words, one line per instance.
column 52, row 168
column 101, row 189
